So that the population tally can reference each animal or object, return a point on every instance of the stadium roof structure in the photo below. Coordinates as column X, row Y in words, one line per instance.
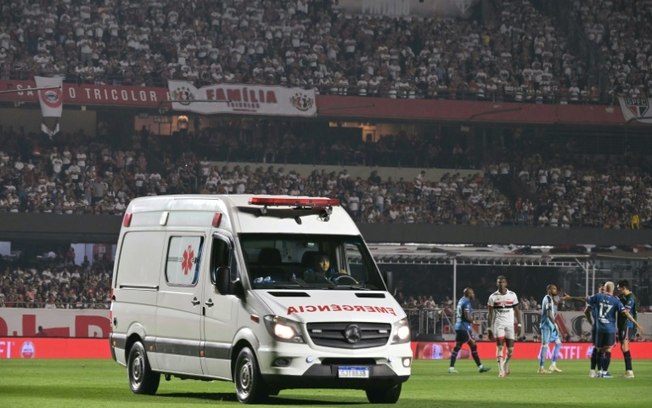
column 569, row 257
column 491, row 255
column 582, row 257
column 504, row 255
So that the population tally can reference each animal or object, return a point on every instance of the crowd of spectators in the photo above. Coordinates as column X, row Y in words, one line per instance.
column 445, row 303
column 508, row 49
column 620, row 29
column 54, row 281
column 74, row 176
column 607, row 195
column 511, row 51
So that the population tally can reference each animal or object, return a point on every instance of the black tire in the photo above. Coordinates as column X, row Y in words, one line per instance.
column 249, row 385
column 384, row 395
column 142, row 380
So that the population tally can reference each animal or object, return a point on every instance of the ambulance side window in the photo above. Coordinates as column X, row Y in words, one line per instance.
column 183, row 260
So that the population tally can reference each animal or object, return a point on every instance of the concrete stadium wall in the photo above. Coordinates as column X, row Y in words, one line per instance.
column 105, row 229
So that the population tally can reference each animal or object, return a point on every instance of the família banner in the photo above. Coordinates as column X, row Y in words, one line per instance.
column 242, row 99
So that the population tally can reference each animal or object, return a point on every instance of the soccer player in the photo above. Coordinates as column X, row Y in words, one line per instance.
column 463, row 334
column 626, row 329
column 504, row 309
column 549, row 331
column 593, row 322
column 607, row 307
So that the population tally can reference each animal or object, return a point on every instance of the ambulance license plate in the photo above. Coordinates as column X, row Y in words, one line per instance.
column 352, row 372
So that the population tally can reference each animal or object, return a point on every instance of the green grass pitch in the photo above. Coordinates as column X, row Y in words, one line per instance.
column 103, row 383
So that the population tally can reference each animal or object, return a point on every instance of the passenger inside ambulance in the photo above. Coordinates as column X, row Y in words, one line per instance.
column 293, row 261
column 320, row 269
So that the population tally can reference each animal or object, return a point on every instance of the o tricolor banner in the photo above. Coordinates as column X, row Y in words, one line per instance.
column 636, row 109
column 50, row 97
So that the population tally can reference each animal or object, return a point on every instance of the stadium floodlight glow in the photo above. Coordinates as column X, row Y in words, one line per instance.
column 294, row 201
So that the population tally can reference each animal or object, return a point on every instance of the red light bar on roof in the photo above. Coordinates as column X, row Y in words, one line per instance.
column 126, row 219
column 295, row 201
column 217, row 219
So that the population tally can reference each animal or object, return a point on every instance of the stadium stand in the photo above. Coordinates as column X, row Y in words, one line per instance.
column 572, row 190
column 509, row 50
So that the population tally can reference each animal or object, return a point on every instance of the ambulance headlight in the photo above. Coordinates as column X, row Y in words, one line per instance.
column 283, row 329
column 402, row 331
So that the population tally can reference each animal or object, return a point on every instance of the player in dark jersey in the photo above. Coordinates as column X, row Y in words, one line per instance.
column 463, row 334
column 594, row 349
column 607, row 307
column 626, row 329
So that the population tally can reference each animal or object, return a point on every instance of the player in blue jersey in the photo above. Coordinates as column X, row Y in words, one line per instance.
column 549, row 331
column 594, row 349
column 607, row 307
column 463, row 333
column 626, row 329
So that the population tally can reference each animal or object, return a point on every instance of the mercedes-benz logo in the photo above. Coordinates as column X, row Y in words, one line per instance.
column 352, row 333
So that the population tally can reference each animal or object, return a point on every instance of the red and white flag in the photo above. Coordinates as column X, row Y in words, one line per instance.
column 50, row 97
column 636, row 109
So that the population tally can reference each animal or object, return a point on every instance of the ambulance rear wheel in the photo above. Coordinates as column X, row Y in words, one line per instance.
column 142, row 379
column 249, row 384
column 384, row 395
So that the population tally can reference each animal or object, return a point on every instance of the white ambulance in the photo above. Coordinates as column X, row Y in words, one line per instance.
column 230, row 288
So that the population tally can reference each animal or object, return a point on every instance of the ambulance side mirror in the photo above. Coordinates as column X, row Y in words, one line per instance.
column 221, row 278
column 389, row 281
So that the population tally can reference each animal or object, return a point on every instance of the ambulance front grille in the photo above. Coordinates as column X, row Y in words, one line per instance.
column 351, row 335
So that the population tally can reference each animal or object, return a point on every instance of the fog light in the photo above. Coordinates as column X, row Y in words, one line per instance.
column 281, row 362
column 407, row 361
column 310, row 359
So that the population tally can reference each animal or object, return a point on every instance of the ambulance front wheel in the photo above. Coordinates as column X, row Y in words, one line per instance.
column 384, row 395
column 249, row 384
column 142, row 379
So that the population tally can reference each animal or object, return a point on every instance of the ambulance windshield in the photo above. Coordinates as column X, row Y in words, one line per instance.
column 295, row 261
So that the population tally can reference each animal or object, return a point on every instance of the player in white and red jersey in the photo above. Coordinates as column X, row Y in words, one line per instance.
column 504, row 311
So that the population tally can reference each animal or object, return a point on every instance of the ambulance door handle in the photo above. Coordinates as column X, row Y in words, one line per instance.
column 209, row 303
column 195, row 301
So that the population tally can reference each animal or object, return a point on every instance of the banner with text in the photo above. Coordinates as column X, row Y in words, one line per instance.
column 84, row 323
column 91, row 94
column 242, row 99
column 54, row 322
column 636, row 109
column 38, row 347
column 404, row 8
column 441, row 350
